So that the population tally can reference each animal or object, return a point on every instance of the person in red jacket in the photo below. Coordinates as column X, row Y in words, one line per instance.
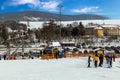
column 113, row 57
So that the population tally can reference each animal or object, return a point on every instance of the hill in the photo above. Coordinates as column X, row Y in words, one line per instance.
column 43, row 16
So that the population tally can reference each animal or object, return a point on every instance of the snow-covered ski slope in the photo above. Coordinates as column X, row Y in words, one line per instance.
column 60, row 69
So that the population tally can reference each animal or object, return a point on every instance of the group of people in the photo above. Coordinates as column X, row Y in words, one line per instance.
column 100, row 58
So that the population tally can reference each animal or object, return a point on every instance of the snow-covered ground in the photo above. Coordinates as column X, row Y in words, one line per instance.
column 38, row 24
column 60, row 69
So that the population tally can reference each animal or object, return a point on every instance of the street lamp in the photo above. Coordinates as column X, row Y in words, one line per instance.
column 60, row 7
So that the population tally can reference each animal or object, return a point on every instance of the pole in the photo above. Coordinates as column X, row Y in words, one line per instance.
column 22, row 37
column 60, row 7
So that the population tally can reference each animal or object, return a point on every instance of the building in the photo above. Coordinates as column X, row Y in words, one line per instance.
column 94, row 30
column 112, row 30
column 99, row 31
column 102, row 30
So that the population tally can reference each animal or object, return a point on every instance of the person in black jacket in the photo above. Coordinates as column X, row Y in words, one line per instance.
column 4, row 56
column 57, row 54
column 101, row 58
column 0, row 57
column 111, row 60
column 89, row 60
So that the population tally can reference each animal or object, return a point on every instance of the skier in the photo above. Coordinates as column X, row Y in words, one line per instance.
column 95, row 58
column 0, row 57
column 89, row 60
column 57, row 54
column 101, row 60
column 4, row 56
column 113, row 57
column 108, row 61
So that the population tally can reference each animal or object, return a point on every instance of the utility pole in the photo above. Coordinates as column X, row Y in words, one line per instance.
column 60, row 8
column 22, row 39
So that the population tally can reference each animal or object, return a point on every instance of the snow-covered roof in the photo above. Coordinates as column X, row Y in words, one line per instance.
column 112, row 51
column 55, row 44
column 110, row 25
column 90, row 26
column 98, row 27
column 71, row 42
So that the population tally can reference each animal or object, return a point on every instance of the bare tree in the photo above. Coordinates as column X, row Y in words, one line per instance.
column 5, row 34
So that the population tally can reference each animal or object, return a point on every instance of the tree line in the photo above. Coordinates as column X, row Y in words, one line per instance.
column 49, row 32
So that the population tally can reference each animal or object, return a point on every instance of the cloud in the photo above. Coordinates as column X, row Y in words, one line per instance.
column 34, row 3
column 87, row 9
column 50, row 5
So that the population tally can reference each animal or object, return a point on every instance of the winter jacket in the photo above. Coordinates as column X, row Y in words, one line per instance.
column 95, row 58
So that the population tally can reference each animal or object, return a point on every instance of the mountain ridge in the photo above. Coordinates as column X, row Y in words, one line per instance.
column 44, row 16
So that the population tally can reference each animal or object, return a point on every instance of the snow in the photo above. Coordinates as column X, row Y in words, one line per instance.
column 105, row 23
column 60, row 69
column 55, row 44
